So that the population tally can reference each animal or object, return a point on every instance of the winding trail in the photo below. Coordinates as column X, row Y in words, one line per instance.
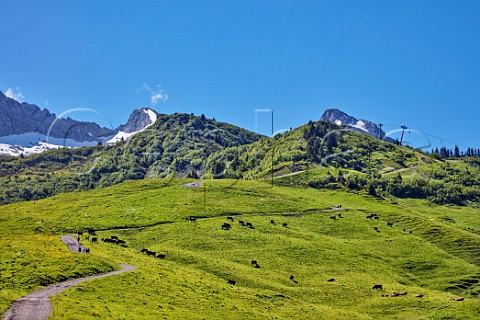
column 37, row 305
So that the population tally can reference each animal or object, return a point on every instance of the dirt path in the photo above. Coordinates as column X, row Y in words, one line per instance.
column 195, row 184
column 72, row 244
column 37, row 305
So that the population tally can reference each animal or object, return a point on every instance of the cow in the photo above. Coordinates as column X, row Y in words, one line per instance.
column 331, row 280
column 87, row 250
column 292, row 277
column 390, row 224
column 385, row 295
column 226, row 226
column 410, row 231
column 144, row 250
column 230, row 218
column 255, row 264
column 460, row 299
column 248, row 224
column 377, row 287
column 232, row 282
column 241, row 223
column 161, row 256
column 340, row 216
column 114, row 237
column 403, row 229
column 151, row 253
column 272, row 221
column 285, row 225
column 419, row 296
column 192, row 219
column 94, row 239
column 122, row 242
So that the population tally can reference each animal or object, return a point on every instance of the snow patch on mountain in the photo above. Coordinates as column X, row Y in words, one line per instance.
column 10, row 150
column 123, row 135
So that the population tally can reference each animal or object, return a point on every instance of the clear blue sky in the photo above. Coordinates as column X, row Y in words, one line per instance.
column 415, row 63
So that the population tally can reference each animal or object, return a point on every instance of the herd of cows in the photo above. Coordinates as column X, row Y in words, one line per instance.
column 227, row 226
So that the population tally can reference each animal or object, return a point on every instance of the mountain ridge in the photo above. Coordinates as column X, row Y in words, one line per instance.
column 27, row 129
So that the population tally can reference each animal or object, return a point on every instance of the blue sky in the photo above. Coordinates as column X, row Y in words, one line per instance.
column 413, row 63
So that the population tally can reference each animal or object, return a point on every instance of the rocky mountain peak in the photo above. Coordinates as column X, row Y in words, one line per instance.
column 343, row 119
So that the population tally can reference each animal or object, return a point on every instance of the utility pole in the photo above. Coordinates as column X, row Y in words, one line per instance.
column 273, row 148
column 403, row 131
column 381, row 134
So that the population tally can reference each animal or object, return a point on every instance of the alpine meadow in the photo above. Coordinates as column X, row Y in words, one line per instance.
column 222, row 223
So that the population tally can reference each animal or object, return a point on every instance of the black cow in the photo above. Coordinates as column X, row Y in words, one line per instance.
column 94, row 239
column 192, row 218
column 285, row 225
column 333, row 217
column 292, row 277
column 161, row 256
column 250, row 225
column 390, row 224
column 241, row 223
column 232, row 282
column 151, row 253
column 122, row 242
column 272, row 222
column 230, row 218
column 226, row 226
column 114, row 237
column 377, row 287
column 144, row 250
column 331, row 280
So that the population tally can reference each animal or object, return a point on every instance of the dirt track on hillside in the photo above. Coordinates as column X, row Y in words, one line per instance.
column 37, row 305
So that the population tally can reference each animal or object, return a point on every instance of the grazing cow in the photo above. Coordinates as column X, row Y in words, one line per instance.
column 390, row 224
column 403, row 229
column 460, row 299
column 419, row 296
column 285, row 225
column 94, row 239
column 340, row 215
column 144, row 250
column 377, row 286
column 333, row 217
column 385, row 295
column 232, row 282
column 292, row 277
column 226, row 226
column 161, row 256
column 79, row 249
column 272, row 221
column 87, row 237
column 331, row 280
column 91, row 231
column 241, row 223
column 122, row 242
column 114, row 237
column 151, row 253
column 230, row 218
column 192, row 218
column 375, row 228
column 410, row 231
column 254, row 262
column 250, row 225
column 376, row 217
column 87, row 250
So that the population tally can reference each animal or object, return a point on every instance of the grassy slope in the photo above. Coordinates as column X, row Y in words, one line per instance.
column 440, row 259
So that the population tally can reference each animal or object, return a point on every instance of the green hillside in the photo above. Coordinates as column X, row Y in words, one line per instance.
column 318, row 155
column 439, row 259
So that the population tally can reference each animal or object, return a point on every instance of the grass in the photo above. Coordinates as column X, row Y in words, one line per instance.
column 440, row 259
